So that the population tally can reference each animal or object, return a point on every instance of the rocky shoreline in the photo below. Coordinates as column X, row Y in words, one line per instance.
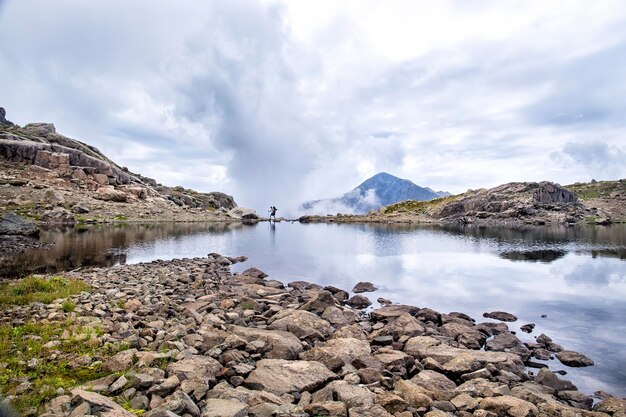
column 194, row 339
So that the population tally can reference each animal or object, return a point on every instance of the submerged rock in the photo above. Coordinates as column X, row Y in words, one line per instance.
column 574, row 359
column 500, row 315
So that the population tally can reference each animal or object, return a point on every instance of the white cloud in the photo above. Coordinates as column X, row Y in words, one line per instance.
column 281, row 102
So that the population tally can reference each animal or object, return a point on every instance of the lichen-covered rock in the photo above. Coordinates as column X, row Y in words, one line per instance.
column 280, row 376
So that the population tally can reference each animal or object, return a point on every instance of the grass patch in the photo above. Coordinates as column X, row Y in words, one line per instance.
column 120, row 218
column 36, row 359
column 421, row 207
column 39, row 289
column 598, row 189
column 68, row 306
column 247, row 305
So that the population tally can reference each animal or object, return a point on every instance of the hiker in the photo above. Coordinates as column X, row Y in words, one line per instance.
column 273, row 212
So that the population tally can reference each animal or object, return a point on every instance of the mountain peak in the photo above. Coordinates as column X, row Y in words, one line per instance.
column 379, row 190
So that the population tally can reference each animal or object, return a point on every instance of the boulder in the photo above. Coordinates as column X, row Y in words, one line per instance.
column 53, row 197
column 111, row 194
column 373, row 411
column 12, row 224
column 338, row 352
column 80, row 208
column 412, row 394
column 500, row 315
column 364, row 287
column 359, row 301
column 461, row 361
column 302, row 323
column 121, row 361
column 433, row 381
column 327, row 408
column 242, row 213
column 99, row 404
column 574, row 359
column 58, row 215
column 321, row 301
column 549, row 379
column 509, row 406
column 214, row 407
column 280, row 344
column 195, row 367
column 281, row 376
column 392, row 311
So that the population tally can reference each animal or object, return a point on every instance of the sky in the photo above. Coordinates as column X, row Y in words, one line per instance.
column 280, row 102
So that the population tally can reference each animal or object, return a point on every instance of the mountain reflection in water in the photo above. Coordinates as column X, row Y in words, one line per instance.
column 73, row 247
column 547, row 255
column 569, row 281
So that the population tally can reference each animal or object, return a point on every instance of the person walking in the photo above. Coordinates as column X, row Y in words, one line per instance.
column 273, row 213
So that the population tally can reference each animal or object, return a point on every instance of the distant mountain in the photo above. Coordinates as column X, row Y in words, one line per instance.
column 381, row 190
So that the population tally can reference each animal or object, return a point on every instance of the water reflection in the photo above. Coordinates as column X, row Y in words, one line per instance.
column 72, row 247
column 547, row 256
column 574, row 275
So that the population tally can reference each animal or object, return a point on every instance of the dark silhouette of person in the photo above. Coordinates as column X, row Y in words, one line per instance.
column 273, row 212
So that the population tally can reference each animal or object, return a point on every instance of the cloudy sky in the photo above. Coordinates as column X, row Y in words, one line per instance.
column 278, row 102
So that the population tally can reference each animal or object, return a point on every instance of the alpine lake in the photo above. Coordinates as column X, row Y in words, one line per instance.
column 569, row 281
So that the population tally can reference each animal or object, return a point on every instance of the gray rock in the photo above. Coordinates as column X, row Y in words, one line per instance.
column 12, row 224
column 574, row 359
column 100, row 405
column 322, row 301
column 280, row 345
column 359, row 301
column 364, row 287
column 121, row 361
column 80, row 208
column 3, row 120
column 549, row 379
column 195, row 367
column 392, row 311
column 242, row 213
column 58, row 215
column 338, row 352
column 214, row 407
column 302, row 323
column 500, row 315
column 280, row 376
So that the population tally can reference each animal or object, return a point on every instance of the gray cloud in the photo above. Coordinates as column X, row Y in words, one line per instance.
column 595, row 157
column 230, row 96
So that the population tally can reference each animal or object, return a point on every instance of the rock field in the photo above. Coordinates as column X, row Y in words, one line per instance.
column 201, row 341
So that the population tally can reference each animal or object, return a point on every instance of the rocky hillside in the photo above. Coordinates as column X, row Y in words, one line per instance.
column 44, row 171
column 513, row 203
column 380, row 190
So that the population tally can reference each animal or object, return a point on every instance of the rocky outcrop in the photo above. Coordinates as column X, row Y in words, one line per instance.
column 60, row 163
column 197, row 340
column 545, row 202
column 3, row 120
column 12, row 224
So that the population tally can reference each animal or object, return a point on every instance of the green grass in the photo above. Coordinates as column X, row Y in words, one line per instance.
column 599, row 189
column 24, row 357
column 413, row 206
column 39, row 289
column 68, row 306
column 247, row 305
column 120, row 218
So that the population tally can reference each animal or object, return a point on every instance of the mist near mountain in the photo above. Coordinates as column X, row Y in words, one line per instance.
column 380, row 190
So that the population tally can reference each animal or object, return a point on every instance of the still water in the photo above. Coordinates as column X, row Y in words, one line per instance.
column 574, row 275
